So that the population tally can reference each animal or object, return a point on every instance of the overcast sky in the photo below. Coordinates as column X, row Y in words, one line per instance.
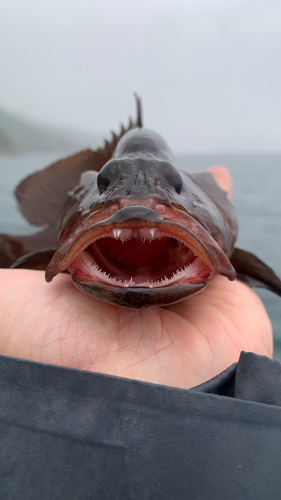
column 209, row 71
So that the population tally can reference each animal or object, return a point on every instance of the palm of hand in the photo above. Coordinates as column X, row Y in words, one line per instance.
column 181, row 345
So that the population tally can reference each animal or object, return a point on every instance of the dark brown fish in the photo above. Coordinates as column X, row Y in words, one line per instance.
column 139, row 233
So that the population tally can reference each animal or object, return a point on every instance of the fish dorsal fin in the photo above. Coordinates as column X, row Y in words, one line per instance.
column 42, row 195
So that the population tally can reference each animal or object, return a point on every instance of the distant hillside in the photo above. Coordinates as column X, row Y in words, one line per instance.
column 19, row 135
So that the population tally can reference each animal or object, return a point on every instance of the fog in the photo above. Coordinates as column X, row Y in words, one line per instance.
column 208, row 71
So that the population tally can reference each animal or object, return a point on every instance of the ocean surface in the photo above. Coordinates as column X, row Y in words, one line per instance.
column 256, row 198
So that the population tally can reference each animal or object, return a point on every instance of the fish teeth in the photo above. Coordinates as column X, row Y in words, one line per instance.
column 145, row 234
column 122, row 234
column 116, row 233
column 92, row 268
column 148, row 234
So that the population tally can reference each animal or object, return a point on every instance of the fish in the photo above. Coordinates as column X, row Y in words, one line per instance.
column 130, row 227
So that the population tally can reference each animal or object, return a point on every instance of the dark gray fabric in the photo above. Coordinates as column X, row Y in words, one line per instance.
column 222, row 385
column 258, row 378
column 69, row 434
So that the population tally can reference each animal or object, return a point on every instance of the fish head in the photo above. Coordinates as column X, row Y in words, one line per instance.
column 140, row 232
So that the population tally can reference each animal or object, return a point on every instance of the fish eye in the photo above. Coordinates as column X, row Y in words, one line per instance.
column 103, row 181
column 106, row 175
column 178, row 183
column 171, row 176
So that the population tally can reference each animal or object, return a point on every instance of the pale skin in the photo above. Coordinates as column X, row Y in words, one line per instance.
column 180, row 345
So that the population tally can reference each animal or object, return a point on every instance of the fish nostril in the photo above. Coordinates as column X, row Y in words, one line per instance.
column 160, row 208
column 124, row 203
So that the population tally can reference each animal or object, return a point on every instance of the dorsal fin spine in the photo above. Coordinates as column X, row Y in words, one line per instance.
column 139, row 122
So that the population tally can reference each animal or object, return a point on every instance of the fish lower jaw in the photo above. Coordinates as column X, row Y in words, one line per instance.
column 85, row 267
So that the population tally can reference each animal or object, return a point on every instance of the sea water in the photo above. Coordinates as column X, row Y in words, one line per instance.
column 256, row 198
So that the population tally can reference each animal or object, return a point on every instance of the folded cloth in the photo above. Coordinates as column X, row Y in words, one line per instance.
column 71, row 434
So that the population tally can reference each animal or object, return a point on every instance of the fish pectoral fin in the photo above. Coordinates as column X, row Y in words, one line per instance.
column 14, row 247
column 10, row 249
column 254, row 272
column 36, row 261
column 42, row 195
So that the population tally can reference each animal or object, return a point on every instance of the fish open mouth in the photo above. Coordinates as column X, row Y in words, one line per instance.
column 136, row 258
column 144, row 257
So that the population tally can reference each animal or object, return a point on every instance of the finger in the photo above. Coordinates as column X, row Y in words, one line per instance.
column 223, row 178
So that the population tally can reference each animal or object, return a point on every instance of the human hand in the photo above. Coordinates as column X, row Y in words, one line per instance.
column 181, row 345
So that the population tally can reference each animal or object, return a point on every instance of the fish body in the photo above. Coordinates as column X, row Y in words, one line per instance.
column 135, row 230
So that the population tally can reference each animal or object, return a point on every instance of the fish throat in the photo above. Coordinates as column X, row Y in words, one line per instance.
column 145, row 257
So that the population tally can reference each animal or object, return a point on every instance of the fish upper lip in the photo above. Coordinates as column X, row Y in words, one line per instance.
column 131, row 213
column 141, row 221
